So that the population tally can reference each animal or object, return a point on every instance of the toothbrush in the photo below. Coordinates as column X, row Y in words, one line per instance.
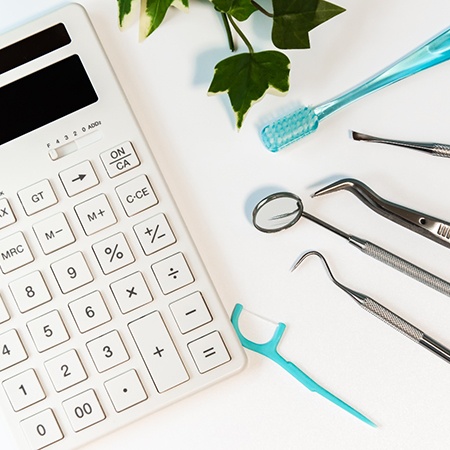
column 305, row 120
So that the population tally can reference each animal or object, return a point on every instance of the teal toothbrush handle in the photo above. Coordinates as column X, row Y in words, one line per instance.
column 431, row 53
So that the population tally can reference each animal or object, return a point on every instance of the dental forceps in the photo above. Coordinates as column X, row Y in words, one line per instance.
column 423, row 224
column 270, row 350
column 281, row 210
column 386, row 315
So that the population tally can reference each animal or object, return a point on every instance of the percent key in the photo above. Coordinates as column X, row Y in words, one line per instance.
column 113, row 253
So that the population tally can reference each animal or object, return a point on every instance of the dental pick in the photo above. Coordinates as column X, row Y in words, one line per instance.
column 386, row 315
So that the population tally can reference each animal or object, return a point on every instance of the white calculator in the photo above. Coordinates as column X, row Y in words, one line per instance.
column 107, row 313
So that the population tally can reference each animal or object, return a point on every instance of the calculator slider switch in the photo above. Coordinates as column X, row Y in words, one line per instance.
column 72, row 146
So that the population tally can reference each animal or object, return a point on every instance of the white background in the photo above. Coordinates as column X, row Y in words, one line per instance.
column 217, row 174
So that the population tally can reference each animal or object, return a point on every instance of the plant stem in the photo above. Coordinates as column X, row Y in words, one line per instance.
column 261, row 9
column 226, row 24
column 241, row 34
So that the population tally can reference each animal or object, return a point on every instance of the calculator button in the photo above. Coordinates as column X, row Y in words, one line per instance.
column 131, row 292
column 42, row 429
column 119, row 159
column 209, row 352
column 95, row 214
column 30, row 291
column 190, row 312
column 158, row 351
column 78, row 178
column 14, row 252
column 172, row 273
column 47, row 331
column 154, row 234
column 136, row 195
column 23, row 390
column 53, row 233
column 89, row 311
column 65, row 370
column 37, row 197
column 12, row 350
column 71, row 272
column 83, row 410
column 113, row 253
column 6, row 214
column 125, row 391
column 107, row 351
column 4, row 314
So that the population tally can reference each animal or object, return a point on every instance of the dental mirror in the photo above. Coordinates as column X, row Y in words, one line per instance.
column 277, row 212
column 281, row 210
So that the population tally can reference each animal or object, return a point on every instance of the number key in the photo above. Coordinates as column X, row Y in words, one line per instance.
column 89, row 311
column 30, row 291
column 83, row 410
column 12, row 350
column 42, row 429
column 48, row 331
column 23, row 390
column 71, row 272
column 107, row 351
column 65, row 370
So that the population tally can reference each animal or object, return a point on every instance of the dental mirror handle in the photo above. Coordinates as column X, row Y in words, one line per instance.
column 401, row 265
column 404, row 327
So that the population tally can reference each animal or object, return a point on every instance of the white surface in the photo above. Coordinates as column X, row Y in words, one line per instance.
column 217, row 175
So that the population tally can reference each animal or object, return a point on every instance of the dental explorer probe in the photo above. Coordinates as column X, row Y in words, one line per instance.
column 386, row 315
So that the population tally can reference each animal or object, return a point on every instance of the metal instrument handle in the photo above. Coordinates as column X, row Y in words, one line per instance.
column 402, row 265
column 442, row 150
column 386, row 315
column 405, row 328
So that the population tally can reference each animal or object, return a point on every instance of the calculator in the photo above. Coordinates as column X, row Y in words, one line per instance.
column 107, row 312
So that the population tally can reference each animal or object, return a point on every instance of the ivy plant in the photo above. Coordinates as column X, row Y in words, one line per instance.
column 247, row 76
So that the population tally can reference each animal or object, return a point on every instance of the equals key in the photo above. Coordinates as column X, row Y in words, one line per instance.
column 209, row 352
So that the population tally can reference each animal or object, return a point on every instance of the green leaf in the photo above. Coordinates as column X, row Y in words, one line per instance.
column 155, row 11
column 181, row 4
column 293, row 19
column 248, row 76
column 124, row 9
column 239, row 9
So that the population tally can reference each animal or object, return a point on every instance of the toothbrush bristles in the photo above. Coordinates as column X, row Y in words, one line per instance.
column 290, row 128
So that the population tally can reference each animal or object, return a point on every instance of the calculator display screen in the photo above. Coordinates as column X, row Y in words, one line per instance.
column 43, row 97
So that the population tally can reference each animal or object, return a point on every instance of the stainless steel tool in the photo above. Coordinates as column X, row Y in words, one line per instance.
column 281, row 210
column 386, row 315
column 432, row 148
column 423, row 224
